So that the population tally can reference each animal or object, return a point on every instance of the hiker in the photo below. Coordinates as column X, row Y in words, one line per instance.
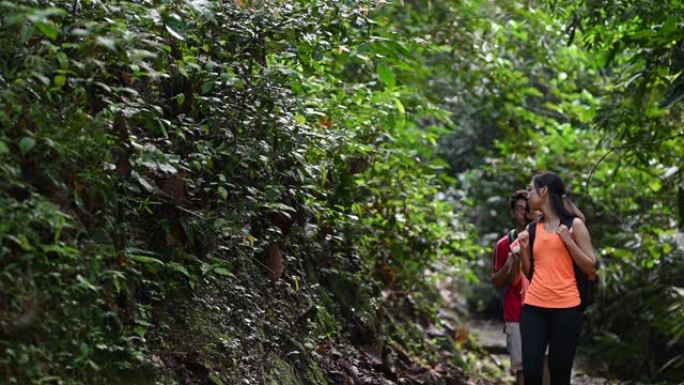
column 508, row 280
column 533, row 215
column 551, row 313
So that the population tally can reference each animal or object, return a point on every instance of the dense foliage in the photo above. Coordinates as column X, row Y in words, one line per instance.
column 158, row 158
column 595, row 98
column 198, row 191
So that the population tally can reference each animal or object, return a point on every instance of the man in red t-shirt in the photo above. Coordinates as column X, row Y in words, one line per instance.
column 508, row 279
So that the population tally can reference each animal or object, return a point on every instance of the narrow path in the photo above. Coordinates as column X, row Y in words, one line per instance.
column 490, row 336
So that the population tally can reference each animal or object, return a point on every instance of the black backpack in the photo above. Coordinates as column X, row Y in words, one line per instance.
column 587, row 285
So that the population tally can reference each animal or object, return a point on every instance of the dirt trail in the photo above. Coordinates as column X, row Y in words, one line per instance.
column 491, row 338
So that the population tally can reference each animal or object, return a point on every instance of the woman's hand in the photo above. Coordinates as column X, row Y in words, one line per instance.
column 524, row 239
column 565, row 234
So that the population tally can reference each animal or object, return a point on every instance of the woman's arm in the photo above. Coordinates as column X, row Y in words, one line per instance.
column 580, row 247
column 524, row 239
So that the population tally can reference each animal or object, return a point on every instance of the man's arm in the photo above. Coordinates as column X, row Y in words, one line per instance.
column 507, row 273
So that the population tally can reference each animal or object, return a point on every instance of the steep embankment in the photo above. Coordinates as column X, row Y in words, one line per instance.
column 206, row 192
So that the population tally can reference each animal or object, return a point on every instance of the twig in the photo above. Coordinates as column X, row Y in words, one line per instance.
column 591, row 174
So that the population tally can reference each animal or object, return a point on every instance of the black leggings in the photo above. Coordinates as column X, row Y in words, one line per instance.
column 557, row 328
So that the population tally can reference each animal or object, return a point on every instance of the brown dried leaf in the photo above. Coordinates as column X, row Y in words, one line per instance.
column 175, row 188
column 372, row 355
column 389, row 277
column 326, row 122
column 123, row 165
column 461, row 335
column 274, row 261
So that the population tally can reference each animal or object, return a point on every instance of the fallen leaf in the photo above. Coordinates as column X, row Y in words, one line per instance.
column 274, row 262
column 175, row 188
column 461, row 334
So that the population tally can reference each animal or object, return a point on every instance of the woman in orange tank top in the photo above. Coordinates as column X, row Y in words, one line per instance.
column 551, row 315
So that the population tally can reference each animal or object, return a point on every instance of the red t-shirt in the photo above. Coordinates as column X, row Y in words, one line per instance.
column 513, row 298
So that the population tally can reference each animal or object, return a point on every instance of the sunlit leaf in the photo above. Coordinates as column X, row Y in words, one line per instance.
column 146, row 260
column 48, row 29
column 174, row 33
column 386, row 75
column 106, row 42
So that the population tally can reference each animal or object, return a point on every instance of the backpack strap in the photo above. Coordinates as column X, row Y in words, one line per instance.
column 532, row 230
column 512, row 235
column 568, row 222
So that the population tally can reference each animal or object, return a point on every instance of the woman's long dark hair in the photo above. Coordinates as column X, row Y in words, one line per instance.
column 556, row 189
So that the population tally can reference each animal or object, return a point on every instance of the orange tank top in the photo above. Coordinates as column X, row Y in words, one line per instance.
column 553, row 281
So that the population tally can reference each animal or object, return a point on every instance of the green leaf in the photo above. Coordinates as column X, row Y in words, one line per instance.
column 215, row 379
column 146, row 260
column 49, row 379
column 85, row 283
column 401, row 120
column 670, row 25
column 63, row 60
column 42, row 78
column 279, row 206
column 38, row 15
column 223, row 271
column 179, row 268
column 300, row 119
column 3, row 148
column 48, row 29
column 106, row 42
column 174, row 33
column 147, row 185
column 62, row 250
column 239, row 84
column 26, row 144
column 207, row 86
column 140, row 330
column 386, row 76
column 222, row 192
column 205, row 268
column 59, row 81
column 180, row 99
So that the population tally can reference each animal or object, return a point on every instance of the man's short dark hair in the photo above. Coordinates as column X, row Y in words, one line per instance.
column 518, row 195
